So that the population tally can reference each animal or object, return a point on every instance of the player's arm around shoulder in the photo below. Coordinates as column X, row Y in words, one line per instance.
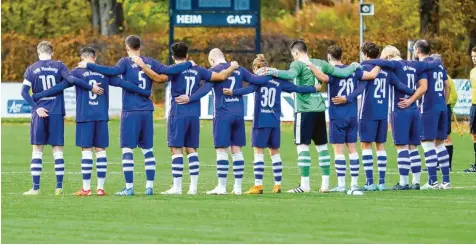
column 291, row 87
column 157, row 78
column 295, row 69
column 314, row 65
column 224, row 74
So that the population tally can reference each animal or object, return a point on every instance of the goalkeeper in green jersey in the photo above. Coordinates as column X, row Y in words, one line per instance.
column 310, row 117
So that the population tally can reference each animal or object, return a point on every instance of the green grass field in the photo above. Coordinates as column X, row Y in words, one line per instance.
column 378, row 217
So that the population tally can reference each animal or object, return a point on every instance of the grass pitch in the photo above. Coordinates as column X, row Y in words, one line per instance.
column 377, row 217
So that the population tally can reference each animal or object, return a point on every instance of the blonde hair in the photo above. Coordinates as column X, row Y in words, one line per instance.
column 390, row 52
column 259, row 62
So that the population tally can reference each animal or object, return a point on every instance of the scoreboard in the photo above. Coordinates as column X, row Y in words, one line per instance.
column 216, row 13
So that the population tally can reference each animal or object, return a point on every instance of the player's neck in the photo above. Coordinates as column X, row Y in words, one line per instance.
column 133, row 53
column 336, row 62
column 220, row 61
column 180, row 61
column 396, row 58
column 44, row 56
column 423, row 56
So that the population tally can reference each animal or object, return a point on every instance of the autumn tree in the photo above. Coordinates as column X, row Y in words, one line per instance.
column 107, row 16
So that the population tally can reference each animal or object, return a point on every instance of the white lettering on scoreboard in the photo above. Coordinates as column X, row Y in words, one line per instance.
column 189, row 19
column 239, row 19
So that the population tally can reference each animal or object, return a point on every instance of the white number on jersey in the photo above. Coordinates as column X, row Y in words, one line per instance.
column 47, row 81
column 346, row 85
column 233, row 80
column 91, row 95
column 439, row 83
column 411, row 81
column 190, row 84
column 142, row 79
column 380, row 89
column 269, row 97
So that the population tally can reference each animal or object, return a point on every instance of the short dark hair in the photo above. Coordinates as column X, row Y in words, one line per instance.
column 299, row 45
column 88, row 52
column 335, row 52
column 45, row 47
column 179, row 50
column 423, row 45
column 474, row 49
column 133, row 42
column 371, row 50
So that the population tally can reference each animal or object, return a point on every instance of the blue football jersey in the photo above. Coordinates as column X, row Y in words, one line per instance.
column 89, row 106
column 267, row 106
column 434, row 98
column 187, row 82
column 343, row 87
column 375, row 98
column 224, row 104
column 43, row 75
column 132, row 73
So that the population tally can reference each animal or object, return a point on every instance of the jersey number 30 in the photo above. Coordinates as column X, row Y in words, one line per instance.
column 268, row 97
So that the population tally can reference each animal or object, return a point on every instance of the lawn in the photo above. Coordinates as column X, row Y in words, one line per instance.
column 377, row 217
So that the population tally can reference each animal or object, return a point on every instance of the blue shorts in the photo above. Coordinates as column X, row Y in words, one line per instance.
column 137, row 129
column 266, row 137
column 229, row 131
column 343, row 130
column 373, row 131
column 183, row 131
column 92, row 134
column 434, row 125
column 405, row 127
column 47, row 130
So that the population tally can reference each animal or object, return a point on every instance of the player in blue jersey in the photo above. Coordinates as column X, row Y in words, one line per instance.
column 266, row 132
column 343, row 117
column 434, row 119
column 183, row 124
column 405, row 122
column 92, row 119
column 47, row 124
column 228, row 122
column 373, row 116
column 137, row 127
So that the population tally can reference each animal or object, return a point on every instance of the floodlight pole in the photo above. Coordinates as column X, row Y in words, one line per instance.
column 361, row 30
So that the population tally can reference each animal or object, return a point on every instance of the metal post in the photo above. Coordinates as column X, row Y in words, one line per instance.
column 171, row 31
column 410, row 44
column 361, row 31
column 258, row 32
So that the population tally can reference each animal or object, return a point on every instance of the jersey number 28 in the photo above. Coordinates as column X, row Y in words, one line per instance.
column 345, row 85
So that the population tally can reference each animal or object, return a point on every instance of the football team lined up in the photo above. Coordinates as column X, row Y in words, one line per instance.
column 385, row 82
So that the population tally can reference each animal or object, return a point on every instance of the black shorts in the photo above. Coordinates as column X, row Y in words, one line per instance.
column 472, row 119
column 310, row 126
column 450, row 114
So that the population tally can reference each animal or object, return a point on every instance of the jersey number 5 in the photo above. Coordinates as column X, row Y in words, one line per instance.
column 142, row 80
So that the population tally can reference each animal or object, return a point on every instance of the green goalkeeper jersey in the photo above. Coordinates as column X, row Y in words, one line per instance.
column 303, row 76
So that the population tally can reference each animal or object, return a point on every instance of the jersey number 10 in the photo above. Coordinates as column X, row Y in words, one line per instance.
column 47, row 81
